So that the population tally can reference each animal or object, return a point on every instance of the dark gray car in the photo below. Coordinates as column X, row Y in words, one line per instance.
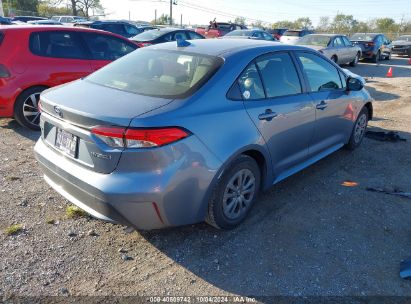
column 250, row 34
column 402, row 45
column 335, row 47
column 172, row 135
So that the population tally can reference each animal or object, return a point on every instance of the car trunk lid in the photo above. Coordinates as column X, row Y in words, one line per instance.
column 68, row 119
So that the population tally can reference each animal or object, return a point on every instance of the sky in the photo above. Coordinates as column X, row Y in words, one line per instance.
column 202, row 11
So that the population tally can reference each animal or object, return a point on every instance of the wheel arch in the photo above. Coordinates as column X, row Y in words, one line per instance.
column 370, row 110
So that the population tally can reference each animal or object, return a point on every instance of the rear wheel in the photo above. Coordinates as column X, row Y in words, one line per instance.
column 26, row 110
column 376, row 57
column 234, row 194
column 358, row 132
column 355, row 61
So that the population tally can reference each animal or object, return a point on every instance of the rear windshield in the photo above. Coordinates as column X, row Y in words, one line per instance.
column 240, row 33
column 364, row 37
column 148, row 35
column 404, row 38
column 158, row 73
column 315, row 40
column 293, row 33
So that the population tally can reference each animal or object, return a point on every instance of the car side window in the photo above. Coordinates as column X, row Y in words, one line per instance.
column 57, row 44
column 114, row 28
column 194, row 35
column 321, row 75
column 346, row 41
column 106, row 47
column 267, row 37
column 179, row 36
column 257, row 35
column 131, row 30
column 250, row 84
column 279, row 75
column 338, row 42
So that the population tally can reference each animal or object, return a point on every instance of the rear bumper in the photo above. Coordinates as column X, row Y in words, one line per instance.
column 404, row 51
column 367, row 55
column 7, row 98
column 175, row 196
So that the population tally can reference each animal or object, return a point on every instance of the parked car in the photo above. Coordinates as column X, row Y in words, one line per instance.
column 27, row 18
column 292, row 36
column 402, row 45
column 373, row 46
column 277, row 33
column 34, row 58
column 5, row 21
column 45, row 22
column 68, row 19
column 250, row 34
column 162, row 35
column 335, row 47
column 219, row 29
column 172, row 135
column 122, row 28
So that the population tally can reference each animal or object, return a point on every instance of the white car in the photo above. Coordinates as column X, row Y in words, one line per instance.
column 292, row 36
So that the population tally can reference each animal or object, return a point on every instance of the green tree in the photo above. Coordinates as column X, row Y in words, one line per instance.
column 283, row 24
column 164, row 19
column 303, row 23
column 86, row 5
column 239, row 20
column 26, row 7
column 343, row 24
column 47, row 10
column 323, row 25
column 386, row 25
column 257, row 24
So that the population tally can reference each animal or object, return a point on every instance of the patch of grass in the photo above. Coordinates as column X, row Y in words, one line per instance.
column 74, row 212
column 13, row 178
column 13, row 229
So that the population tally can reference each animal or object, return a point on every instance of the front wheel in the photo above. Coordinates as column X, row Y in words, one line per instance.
column 376, row 57
column 358, row 132
column 26, row 110
column 234, row 194
column 355, row 61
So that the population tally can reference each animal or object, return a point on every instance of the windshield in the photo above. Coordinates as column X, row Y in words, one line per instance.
column 292, row 33
column 365, row 37
column 148, row 35
column 315, row 40
column 405, row 38
column 239, row 33
column 158, row 73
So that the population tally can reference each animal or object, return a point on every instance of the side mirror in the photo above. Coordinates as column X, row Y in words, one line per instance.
column 354, row 84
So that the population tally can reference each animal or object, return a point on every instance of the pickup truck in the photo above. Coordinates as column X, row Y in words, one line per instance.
column 219, row 31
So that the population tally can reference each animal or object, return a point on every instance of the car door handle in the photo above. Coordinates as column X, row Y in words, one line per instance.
column 322, row 105
column 268, row 115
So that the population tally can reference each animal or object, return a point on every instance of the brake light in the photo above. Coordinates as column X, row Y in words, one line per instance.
column 143, row 44
column 368, row 44
column 4, row 72
column 139, row 138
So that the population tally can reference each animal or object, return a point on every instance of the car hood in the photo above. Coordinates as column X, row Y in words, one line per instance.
column 87, row 104
column 401, row 42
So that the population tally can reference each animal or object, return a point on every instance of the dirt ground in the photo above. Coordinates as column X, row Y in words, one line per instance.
column 307, row 236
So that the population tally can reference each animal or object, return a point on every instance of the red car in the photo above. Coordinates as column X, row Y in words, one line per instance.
column 34, row 58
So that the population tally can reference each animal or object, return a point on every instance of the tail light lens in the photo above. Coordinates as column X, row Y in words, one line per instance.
column 143, row 44
column 4, row 72
column 139, row 138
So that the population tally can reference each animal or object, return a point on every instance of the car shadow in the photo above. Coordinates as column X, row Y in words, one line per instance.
column 25, row 132
column 380, row 95
column 309, row 234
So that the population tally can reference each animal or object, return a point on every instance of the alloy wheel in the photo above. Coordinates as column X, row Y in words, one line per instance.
column 239, row 194
column 360, row 128
column 31, row 111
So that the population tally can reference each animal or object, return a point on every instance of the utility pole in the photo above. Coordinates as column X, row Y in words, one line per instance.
column 1, row 9
column 181, row 20
column 155, row 17
column 171, row 12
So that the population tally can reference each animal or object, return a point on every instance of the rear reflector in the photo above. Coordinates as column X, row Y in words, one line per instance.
column 139, row 138
column 4, row 73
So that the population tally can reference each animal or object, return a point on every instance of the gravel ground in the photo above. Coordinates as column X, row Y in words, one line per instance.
column 308, row 235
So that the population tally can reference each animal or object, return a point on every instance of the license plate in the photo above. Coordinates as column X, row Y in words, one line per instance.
column 66, row 142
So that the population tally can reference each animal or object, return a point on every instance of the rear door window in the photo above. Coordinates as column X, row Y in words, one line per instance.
column 321, row 75
column 346, row 41
column 114, row 28
column 250, row 84
column 279, row 75
column 131, row 30
column 106, row 47
column 194, row 35
column 57, row 44
column 338, row 42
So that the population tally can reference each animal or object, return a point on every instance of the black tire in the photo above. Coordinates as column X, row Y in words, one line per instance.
column 376, row 57
column 355, row 61
column 388, row 57
column 355, row 138
column 219, row 204
column 24, row 104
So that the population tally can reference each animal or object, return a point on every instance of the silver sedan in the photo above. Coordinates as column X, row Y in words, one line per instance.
column 334, row 46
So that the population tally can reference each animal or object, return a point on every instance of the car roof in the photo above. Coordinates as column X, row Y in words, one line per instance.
column 326, row 35
column 218, row 47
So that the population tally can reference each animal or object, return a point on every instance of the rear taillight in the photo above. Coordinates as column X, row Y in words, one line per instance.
column 368, row 44
column 139, row 138
column 144, row 44
column 4, row 72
